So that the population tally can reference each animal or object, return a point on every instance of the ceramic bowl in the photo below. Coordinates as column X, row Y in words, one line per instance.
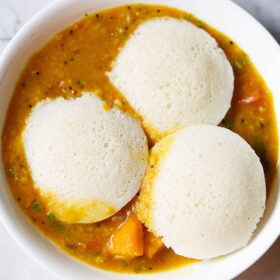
column 222, row 15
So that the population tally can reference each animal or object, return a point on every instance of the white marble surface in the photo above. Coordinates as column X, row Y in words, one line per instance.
column 14, row 263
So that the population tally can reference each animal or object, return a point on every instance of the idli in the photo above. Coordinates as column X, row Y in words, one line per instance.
column 204, row 192
column 86, row 160
column 174, row 75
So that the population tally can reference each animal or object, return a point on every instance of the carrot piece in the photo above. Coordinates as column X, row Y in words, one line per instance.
column 96, row 246
column 248, row 92
column 127, row 240
column 250, row 97
column 152, row 244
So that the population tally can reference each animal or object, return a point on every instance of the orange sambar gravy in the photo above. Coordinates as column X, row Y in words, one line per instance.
column 76, row 60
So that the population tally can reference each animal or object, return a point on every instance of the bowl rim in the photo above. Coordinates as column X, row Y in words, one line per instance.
column 32, row 26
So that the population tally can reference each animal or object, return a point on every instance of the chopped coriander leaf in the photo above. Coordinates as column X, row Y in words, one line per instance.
column 61, row 228
column 37, row 206
column 86, row 14
column 123, row 36
column 51, row 216
column 244, row 61
column 121, row 217
column 188, row 17
column 95, row 253
column 228, row 125
column 72, row 251
column 202, row 25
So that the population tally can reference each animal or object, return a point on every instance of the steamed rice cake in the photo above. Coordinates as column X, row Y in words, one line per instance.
column 204, row 192
column 174, row 75
column 86, row 161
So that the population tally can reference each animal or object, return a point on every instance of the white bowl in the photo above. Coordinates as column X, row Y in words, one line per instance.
column 221, row 14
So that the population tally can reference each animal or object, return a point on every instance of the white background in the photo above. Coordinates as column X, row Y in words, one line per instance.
column 14, row 263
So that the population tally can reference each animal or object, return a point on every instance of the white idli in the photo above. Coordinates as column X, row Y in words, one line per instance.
column 86, row 161
column 204, row 192
column 174, row 75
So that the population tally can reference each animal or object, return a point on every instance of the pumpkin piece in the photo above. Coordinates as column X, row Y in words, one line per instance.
column 127, row 240
column 152, row 244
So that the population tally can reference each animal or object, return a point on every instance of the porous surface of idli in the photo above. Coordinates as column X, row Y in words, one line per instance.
column 86, row 160
column 174, row 75
column 204, row 192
